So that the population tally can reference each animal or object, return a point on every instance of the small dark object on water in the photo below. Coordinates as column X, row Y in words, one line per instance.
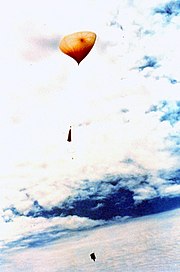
column 93, row 256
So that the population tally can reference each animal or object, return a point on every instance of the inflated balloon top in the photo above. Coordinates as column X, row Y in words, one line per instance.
column 78, row 45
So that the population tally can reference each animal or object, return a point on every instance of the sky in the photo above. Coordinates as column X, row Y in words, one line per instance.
column 122, row 102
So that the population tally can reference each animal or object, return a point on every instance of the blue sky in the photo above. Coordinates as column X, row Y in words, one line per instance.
column 122, row 102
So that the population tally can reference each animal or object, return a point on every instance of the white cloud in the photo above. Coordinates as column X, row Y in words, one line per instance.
column 43, row 92
column 25, row 226
column 144, row 193
column 170, row 190
column 115, row 246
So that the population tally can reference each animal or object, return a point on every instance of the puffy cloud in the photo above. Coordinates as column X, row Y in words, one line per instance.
column 168, row 10
column 124, row 122
column 148, row 62
column 169, row 111
column 36, row 232
column 170, row 190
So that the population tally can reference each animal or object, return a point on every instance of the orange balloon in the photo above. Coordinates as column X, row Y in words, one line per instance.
column 78, row 45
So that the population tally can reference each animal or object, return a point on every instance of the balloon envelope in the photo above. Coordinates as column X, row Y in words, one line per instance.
column 78, row 45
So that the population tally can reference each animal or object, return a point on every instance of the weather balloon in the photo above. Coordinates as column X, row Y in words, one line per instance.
column 78, row 45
